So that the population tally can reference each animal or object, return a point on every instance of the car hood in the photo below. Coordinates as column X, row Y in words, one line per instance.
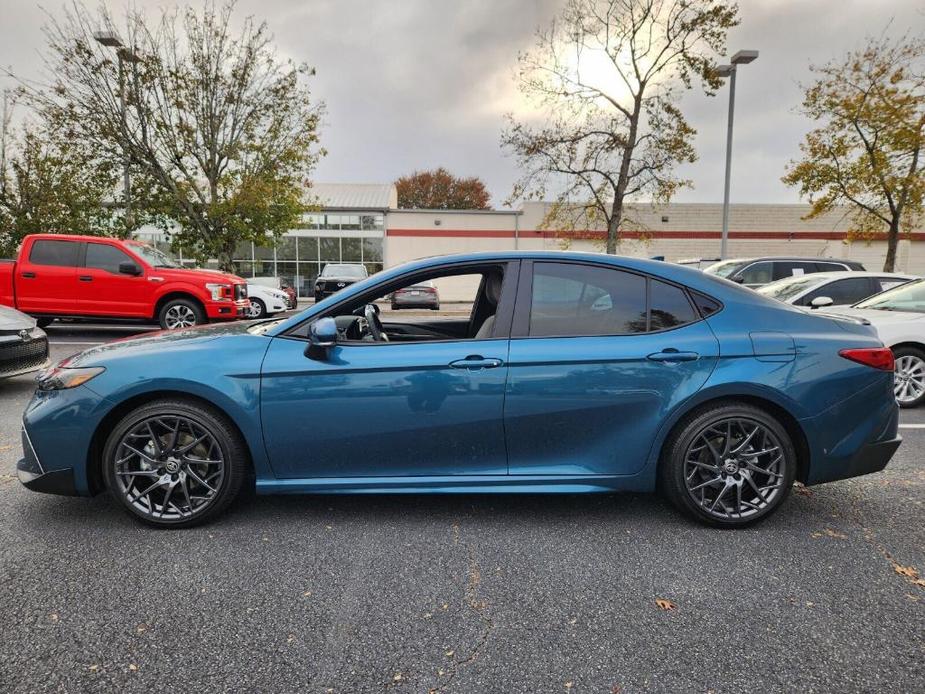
column 876, row 316
column 198, row 275
column 158, row 342
column 11, row 319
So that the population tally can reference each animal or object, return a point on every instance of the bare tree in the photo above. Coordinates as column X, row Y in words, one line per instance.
column 220, row 130
column 606, row 77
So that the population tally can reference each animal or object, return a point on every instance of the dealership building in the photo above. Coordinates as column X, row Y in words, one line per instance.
column 361, row 223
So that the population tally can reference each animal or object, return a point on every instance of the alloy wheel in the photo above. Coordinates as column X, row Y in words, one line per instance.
column 169, row 467
column 179, row 316
column 735, row 468
column 255, row 310
column 909, row 378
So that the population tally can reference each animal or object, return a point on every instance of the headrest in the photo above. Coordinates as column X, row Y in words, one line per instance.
column 493, row 287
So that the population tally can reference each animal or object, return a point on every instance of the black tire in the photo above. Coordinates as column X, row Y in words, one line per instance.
column 259, row 309
column 44, row 322
column 394, row 307
column 435, row 308
column 683, row 456
column 233, row 451
column 181, row 313
column 318, row 297
column 910, row 371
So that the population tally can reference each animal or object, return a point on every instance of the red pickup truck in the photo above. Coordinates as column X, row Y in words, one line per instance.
column 61, row 276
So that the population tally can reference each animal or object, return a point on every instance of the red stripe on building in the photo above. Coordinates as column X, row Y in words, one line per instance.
column 599, row 235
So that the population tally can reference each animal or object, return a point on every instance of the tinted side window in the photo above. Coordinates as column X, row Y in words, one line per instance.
column 705, row 304
column 884, row 283
column 757, row 273
column 104, row 257
column 584, row 300
column 61, row 253
column 668, row 306
column 848, row 291
column 831, row 267
column 791, row 268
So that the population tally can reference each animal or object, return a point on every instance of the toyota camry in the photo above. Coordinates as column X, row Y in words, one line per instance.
column 571, row 373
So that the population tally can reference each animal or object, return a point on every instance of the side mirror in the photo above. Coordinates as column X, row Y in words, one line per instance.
column 821, row 301
column 322, row 335
column 739, row 279
column 129, row 268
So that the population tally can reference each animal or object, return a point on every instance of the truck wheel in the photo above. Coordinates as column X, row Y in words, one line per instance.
column 180, row 313
column 44, row 322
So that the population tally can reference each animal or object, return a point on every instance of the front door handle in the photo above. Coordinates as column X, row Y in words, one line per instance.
column 85, row 278
column 476, row 362
column 672, row 355
column 29, row 275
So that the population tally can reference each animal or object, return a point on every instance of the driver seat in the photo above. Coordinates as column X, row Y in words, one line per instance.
column 493, row 284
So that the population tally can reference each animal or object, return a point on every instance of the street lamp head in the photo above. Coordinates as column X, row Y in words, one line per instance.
column 744, row 57
column 108, row 38
column 724, row 70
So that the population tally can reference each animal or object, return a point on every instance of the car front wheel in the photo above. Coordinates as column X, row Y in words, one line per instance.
column 258, row 309
column 909, row 377
column 174, row 463
column 728, row 465
column 180, row 313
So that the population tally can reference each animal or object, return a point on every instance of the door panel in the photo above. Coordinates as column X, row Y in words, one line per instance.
column 593, row 405
column 385, row 409
column 46, row 281
column 104, row 291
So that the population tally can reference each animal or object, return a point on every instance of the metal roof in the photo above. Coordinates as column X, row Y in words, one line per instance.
column 355, row 196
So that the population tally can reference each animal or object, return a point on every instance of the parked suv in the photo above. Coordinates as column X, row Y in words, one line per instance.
column 63, row 276
column 756, row 272
column 336, row 276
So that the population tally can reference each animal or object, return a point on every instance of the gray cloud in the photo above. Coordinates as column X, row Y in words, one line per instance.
column 421, row 83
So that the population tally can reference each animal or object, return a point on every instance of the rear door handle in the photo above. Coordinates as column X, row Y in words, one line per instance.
column 85, row 278
column 475, row 362
column 672, row 355
column 29, row 275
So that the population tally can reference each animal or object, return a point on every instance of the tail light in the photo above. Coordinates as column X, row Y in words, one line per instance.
column 874, row 357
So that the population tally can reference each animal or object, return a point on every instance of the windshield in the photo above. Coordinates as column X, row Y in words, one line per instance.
column 263, row 326
column 724, row 268
column 356, row 271
column 154, row 256
column 788, row 287
column 906, row 297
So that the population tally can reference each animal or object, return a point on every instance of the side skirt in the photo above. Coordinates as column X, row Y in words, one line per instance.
column 457, row 484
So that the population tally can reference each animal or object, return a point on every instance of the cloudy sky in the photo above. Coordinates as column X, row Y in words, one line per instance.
column 412, row 84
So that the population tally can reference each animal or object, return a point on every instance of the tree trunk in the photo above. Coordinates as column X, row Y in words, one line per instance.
column 224, row 260
column 892, row 240
column 613, row 227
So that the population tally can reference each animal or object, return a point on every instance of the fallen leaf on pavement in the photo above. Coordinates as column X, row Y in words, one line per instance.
column 907, row 571
column 666, row 605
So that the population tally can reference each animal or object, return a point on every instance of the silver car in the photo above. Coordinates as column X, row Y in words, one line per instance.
column 23, row 345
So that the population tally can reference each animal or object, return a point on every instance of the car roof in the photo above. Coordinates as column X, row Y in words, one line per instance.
column 804, row 258
column 847, row 274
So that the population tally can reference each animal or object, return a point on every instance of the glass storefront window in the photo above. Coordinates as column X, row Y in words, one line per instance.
column 308, row 248
column 244, row 268
column 372, row 250
column 264, row 268
column 286, row 248
column 331, row 221
column 351, row 250
column 329, row 249
column 264, row 252
column 305, row 280
column 350, row 222
column 371, row 222
column 243, row 250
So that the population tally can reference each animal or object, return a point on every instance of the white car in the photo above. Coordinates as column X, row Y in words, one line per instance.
column 265, row 301
column 898, row 315
column 832, row 288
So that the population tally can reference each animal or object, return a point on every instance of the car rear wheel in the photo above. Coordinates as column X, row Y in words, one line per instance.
column 909, row 379
column 258, row 309
column 174, row 463
column 177, row 314
column 729, row 465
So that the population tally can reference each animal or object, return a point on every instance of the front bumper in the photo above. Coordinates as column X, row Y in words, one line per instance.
column 33, row 476
column 228, row 310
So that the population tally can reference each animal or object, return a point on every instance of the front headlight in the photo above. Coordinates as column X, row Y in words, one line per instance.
column 60, row 377
column 220, row 292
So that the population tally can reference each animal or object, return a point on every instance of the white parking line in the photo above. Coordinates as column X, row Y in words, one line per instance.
column 912, row 426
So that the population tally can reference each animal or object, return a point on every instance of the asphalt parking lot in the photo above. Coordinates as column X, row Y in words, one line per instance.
column 463, row 594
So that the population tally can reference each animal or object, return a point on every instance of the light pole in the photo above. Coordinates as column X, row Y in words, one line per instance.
column 740, row 58
column 111, row 39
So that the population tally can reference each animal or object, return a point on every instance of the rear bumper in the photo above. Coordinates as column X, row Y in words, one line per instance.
column 871, row 458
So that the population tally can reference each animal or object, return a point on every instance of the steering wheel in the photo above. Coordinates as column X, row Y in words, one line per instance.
column 375, row 325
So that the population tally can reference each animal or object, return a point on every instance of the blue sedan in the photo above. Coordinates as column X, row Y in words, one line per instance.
column 571, row 373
